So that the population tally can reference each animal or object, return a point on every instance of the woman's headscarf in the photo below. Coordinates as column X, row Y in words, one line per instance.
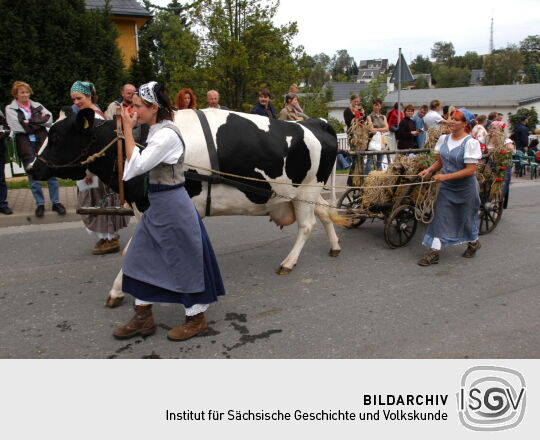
column 84, row 87
column 499, row 125
column 148, row 93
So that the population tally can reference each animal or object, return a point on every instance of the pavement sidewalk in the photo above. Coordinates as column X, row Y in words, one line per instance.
column 23, row 205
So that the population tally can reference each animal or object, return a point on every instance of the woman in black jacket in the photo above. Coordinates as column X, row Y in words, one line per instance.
column 407, row 132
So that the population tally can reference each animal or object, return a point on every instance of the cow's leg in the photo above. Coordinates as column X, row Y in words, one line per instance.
column 305, row 217
column 323, row 213
column 116, row 296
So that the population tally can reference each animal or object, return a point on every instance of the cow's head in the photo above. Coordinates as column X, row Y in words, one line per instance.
column 70, row 142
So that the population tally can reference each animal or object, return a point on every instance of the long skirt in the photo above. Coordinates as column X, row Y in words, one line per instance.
column 456, row 213
column 101, row 224
column 170, row 258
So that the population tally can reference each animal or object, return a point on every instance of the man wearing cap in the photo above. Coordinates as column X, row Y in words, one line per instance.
column 521, row 133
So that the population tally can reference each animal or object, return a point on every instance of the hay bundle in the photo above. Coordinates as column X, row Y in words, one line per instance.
column 359, row 134
column 434, row 133
column 496, row 139
column 375, row 192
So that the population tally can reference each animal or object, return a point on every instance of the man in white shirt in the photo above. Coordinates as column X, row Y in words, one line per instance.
column 433, row 117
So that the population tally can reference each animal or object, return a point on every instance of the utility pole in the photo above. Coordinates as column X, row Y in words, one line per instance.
column 399, row 86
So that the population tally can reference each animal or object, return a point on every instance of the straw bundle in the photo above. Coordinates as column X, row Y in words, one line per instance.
column 496, row 139
column 434, row 133
column 374, row 194
column 359, row 134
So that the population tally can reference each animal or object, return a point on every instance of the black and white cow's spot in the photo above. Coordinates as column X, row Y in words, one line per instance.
column 193, row 187
column 243, row 148
column 326, row 135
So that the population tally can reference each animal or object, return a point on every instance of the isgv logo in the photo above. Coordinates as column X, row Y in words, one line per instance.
column 491, row 398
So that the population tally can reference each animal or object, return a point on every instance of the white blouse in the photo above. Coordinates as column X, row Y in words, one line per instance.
column 472, row 154
column 431, row 119
column 163, row 146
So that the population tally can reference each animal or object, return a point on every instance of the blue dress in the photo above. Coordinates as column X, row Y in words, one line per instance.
column 170, row 258
column 458, row 203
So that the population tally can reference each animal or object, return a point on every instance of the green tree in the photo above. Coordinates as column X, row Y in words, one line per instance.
column 343, row 66
column 445, row 76
column 421, row 65
column 52, row 44
column 319, row 73
column 502, row 67
column 470, row 60
column 533, row 76
column 515, row 119
column 530, row 49
column 420, row 83
column 243, row 51
column 376, row 89
column 168, row 53
column 442, row 51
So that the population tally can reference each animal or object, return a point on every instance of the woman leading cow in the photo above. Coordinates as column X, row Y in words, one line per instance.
column 170, row 258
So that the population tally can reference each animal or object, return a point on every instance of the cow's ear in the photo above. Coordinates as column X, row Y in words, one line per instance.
column 85, row 119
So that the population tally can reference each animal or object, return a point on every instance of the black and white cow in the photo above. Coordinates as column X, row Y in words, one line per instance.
column 248, row 145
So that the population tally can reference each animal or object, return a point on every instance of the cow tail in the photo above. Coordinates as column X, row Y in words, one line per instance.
column 333, row 214
column 338, row 219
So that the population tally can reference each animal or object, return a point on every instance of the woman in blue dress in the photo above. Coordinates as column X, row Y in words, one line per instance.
column 170, row 258
column 456, row 218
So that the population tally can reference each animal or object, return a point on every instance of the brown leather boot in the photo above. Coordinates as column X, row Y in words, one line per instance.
column 472, row 247
column 193, row 326
column 141, row 324
column 98, row 246
column 108, row 247
column 432, row 257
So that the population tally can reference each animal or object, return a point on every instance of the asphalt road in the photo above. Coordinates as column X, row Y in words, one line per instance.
column 370, row 302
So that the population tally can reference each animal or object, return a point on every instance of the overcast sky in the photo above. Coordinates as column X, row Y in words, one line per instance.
column 377, row 28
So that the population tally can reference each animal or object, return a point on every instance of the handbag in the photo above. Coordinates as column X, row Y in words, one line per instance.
column 375, row 144
column 11, row 155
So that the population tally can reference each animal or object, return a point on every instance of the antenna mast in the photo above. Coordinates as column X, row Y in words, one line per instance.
column 491, row 34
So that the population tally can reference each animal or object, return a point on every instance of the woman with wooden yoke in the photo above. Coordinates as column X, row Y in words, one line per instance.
column 91, row 190
column 456, row 218
column 170, row 258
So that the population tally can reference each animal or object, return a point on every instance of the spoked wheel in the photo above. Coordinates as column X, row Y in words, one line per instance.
column 352, row 199
column 400, row 226
column 491, row 210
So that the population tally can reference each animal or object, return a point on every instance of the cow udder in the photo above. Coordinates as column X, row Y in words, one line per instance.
column 282, row 214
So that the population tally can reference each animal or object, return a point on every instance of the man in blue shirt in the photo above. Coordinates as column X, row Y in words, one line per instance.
column 264, row 107
column 521, row 133
column 418, row 119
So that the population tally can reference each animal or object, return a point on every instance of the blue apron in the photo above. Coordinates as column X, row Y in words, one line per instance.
column 170, row 258
column 458, row 203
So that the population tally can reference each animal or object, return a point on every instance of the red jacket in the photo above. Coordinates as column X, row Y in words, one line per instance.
column 391, row 117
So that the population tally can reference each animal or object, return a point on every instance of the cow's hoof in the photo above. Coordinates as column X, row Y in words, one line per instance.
column 114, row 302
column 334, row 252
column 281, row 270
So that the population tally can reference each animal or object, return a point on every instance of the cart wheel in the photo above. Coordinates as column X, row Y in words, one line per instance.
column 351, row 199
column 400, row 226
column 490, row 213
